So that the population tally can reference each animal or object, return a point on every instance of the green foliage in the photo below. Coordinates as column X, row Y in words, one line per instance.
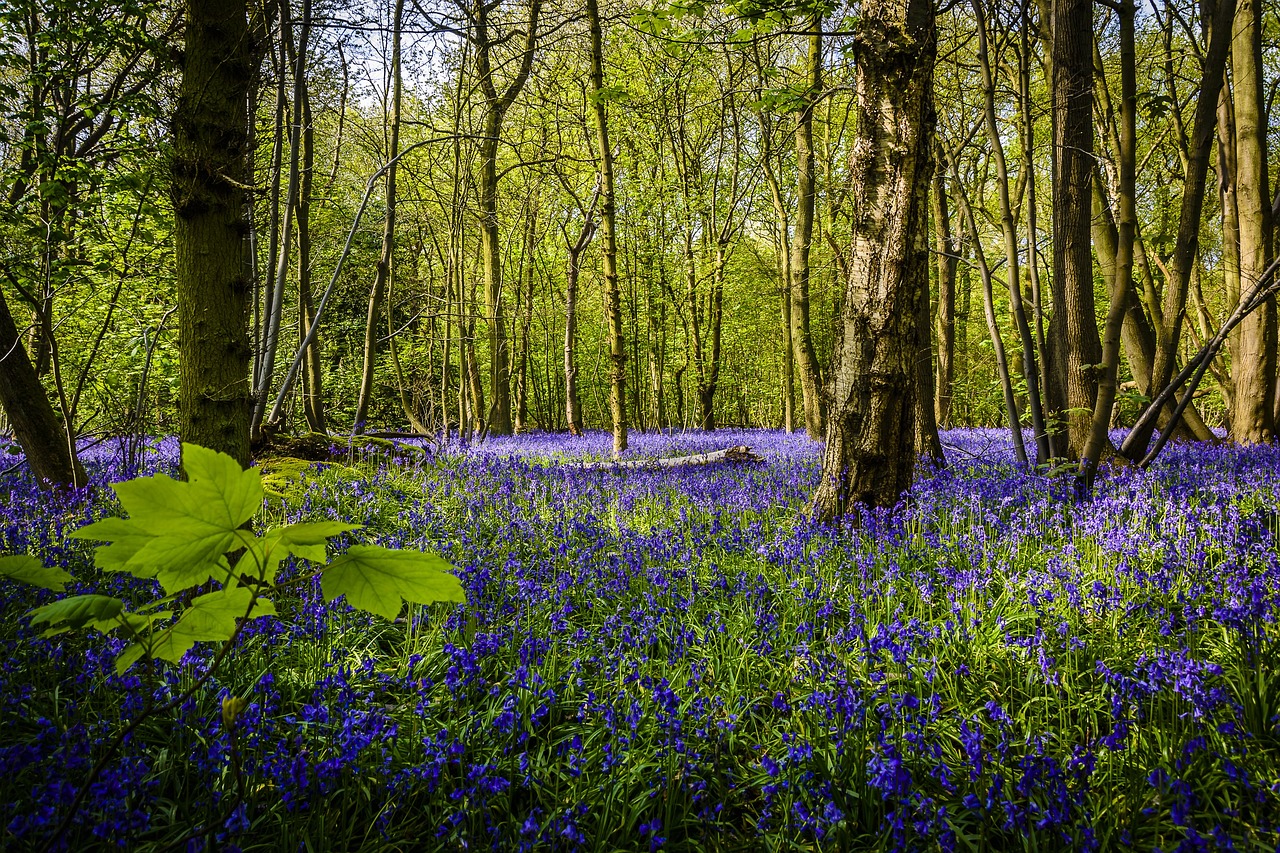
column 194, row 536
column 30, row 570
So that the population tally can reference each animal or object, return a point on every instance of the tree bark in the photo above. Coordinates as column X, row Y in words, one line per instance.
column 1253, row 366
column 41, row 435
column 312, row 367
column 1169, row 330
column 496, row 106
column 870, row 453
column 806, row 194
column 948, row 259
column 1073, row 331
column 1008, row 226
column 382, row 272
column 609, row 238
column 210, row 129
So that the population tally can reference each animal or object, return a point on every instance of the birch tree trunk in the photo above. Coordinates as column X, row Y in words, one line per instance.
column 870, row 453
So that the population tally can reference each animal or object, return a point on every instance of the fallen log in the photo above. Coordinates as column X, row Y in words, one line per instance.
column 735, row 455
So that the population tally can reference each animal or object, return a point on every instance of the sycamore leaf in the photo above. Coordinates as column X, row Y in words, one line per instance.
column 77, row 611
column 211, row 617
column 28, row 569
column 182, row 576
column 133, row 623
column 263, row 554
column 376, row 579
column 127, row 658
column 125, row 539
column 178, row 531
column 308, row 540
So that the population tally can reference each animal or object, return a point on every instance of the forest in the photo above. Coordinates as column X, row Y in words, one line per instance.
column 639, row 424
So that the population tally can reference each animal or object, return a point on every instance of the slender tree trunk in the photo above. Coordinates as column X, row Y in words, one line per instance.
column 210, row 129
column 806, row 194
column 870, row 453
column 989, row 311
column 948, row 258
column 1122, row 274
column 382, row 273
column 495, row 109
column 312, row 367
column 709, row 375
column 1008, row 226
column 573, row 406
column 609, row 237
column 274, row 314
column 927, row 441
column 526, row 316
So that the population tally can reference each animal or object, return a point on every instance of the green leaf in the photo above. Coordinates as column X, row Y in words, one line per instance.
column 29, row 570
column 265, row 553
column 127, row 658
column 125, row 539
column 178, row 531
column 375, row 579
column 133, row 623
column 211, row 617
column 77, row 611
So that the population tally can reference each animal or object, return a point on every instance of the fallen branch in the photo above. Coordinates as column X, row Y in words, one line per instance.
column 736, row 455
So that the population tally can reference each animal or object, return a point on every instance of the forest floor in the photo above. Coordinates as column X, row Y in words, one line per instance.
column 679, row 659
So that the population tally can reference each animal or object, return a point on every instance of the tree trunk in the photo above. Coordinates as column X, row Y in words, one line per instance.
column 1073, row 332
column 989, row 311
column 1253, row 366
column 572, row 405
column 806, row 194
column 1008, row 226
column 526, row 317
column 1122, row 262
column 210, row 129
column 382, row 273
column 870, row 453
column 41, row 435
column 274, row 314
column 608, row 233
column 1209, row 102
column 948, row 258
column 927, row 441
column 312, row 367
column 495, row 110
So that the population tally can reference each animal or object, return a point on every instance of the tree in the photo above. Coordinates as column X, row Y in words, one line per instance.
column 495, row 109
column 870, row 454
column 609, row 236
column 209, row 137
column 382, row 273
column 806, row 194
column 1253, row 368
column 1074, row 345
